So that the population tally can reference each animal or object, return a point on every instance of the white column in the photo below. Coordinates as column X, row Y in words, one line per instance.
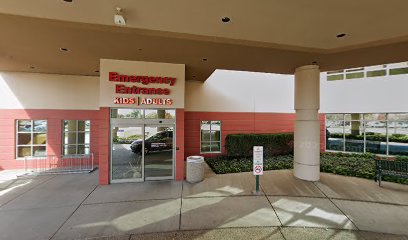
column 306, row 164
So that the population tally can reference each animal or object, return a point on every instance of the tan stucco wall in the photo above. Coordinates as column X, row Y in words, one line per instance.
column 234, row 91
column 48, row 91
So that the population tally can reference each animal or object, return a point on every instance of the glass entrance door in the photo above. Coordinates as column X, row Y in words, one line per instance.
column 127, row 153
column 159, row 152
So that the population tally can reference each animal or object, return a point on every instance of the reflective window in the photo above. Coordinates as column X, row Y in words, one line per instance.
column 126, row 113
column 369, row 71
column 377, row 133
column 398, row 71
column 160, row 114
column 158, row 151
column 76, row 137
column 335, row 132
column 354, row 132
column 376, row 73
column 210, row 136
column 398, row 134
column 31, row 139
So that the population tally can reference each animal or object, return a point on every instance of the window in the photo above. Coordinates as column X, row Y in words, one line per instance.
column 129, row 113
column 210, row 136
column 160, row 114
column 126, row 113
column 398, row 71
column 369, row 71
column 377, row 133
column 31, row 138
column 76, row 137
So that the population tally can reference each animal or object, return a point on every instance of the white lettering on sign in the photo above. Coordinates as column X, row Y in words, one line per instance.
column 258, row 160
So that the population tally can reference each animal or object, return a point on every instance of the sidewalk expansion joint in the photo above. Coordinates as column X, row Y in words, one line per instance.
column 181, row 204
column 127, row 201
column 368, row 201
column 27, row 191
column 267, row 199
column 337, row 207
column 76, row 209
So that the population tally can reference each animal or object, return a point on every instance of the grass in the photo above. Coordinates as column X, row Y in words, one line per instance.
column 356, row 165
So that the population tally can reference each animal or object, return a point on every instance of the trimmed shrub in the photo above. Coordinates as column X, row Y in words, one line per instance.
column 356, row 165
column 241, row 145
column 226, row 164
column 402, row 158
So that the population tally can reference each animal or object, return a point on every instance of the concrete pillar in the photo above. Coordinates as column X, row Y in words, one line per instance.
column 306, row 164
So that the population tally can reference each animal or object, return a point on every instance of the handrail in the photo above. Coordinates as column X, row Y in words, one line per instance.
column 59, row 164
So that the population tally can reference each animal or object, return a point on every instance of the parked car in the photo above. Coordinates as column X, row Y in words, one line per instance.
column 160, row 141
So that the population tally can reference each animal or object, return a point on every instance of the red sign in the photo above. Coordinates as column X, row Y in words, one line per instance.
column 145, row 80
column 135, row 89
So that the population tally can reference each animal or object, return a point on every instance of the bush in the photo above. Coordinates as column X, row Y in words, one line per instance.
column 356, row 165
column 402, row 158
column 241, row 145
column 227, row 164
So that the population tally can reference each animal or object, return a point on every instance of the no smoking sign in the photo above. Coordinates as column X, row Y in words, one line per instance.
column 258, row 170
column 258, row 160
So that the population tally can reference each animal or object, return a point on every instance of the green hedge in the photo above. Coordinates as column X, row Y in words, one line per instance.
column 241, row 145
column 227, row 164
column 373, row 137
column 356, row 165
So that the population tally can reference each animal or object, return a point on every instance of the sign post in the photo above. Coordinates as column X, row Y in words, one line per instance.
column 257, row 165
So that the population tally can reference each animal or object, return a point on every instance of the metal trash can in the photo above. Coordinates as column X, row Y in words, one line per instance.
column 195, row 169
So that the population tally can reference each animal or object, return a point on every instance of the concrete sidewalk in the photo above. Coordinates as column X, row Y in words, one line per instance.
column 221, row 207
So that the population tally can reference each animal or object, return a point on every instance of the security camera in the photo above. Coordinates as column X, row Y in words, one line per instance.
column 118, row 18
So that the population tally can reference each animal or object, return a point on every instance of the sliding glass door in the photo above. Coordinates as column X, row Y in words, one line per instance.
column 127, row 153
column 159, row 152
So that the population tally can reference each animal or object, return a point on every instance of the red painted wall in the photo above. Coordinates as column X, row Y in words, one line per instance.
column 187, row 132
column 239, row 122
column 99, row 136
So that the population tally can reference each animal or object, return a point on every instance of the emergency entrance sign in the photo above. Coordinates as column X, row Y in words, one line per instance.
column 258, row 160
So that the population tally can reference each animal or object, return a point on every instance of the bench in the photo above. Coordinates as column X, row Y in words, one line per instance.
column 390, row 168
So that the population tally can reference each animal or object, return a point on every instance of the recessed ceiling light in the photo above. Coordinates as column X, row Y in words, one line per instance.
column 204, row 59
column 225, row 19
column 341, row 35
column 64, row 49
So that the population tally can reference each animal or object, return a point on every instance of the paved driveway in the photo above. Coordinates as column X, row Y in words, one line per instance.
column 221, row 207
